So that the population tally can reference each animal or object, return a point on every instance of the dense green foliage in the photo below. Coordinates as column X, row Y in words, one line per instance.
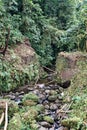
column 51, row 25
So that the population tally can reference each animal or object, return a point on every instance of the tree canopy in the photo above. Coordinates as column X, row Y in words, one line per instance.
column 50, row 25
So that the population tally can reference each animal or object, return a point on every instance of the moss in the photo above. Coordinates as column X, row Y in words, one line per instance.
column 38, row 108
column 18, row 70
column 30, row 96
column 48, row 119
column 29, row 116
column 72, row 123
column 29, row 103
column 15, row 123
column 77, row 95
column 12, row 106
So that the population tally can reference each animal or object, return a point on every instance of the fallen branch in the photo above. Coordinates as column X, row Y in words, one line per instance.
column 2, row 118
column 65, row 106
column 6, row 117
column 48, row 69
column 62, row 109
column 50, row 82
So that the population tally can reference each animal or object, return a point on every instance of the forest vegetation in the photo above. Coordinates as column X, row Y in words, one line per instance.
column 39, row 35
column 51, row 26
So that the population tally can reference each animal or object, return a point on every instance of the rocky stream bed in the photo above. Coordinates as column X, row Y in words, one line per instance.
column 49, row 100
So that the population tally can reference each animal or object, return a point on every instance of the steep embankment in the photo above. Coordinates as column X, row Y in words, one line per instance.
column 18, row 67
column 73, row 67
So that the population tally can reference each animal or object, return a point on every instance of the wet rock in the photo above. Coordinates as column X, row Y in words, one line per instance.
column 45, row 124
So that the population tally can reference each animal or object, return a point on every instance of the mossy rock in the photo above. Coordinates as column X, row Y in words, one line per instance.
column 52, row 98
column 29, row 116
column 29, row 103
column 30, row 96
column 72, row 123
column 34, row 125
column 48, row 119
column 15, row 123
column 69, row 64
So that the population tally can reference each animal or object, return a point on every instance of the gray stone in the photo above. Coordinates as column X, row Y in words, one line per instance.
column 45, row 124
column 53, row 106
column 43, row 128
column 52, row 98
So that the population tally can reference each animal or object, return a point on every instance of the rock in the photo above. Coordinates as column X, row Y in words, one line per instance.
column 53, row 107
column 67, row 65
column 12, row 97
column 47, row 107
column 52, row 98
column 43, row 128
column 60, row 128
column 52, row 128
column 53, row 92
column 45, row 102
column 47, row 91
column 41, row 85
column 48, row 119
column 45, row 124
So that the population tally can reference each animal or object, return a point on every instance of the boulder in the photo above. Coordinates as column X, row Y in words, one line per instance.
column 69, row 64
column 19, row 66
